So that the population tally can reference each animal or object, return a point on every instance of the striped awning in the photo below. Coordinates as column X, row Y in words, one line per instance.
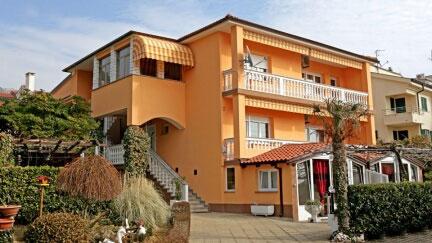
column 163, row 50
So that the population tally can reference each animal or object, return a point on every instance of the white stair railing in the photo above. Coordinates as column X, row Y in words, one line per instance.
column 167, row 176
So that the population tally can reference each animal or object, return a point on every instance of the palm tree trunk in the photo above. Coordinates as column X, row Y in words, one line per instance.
column 340, row 183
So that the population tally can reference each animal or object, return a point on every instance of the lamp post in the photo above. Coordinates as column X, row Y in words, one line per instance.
column 43, row 181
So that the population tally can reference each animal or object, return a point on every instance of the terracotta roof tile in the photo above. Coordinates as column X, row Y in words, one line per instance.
column 287, row 152
column 368, row 157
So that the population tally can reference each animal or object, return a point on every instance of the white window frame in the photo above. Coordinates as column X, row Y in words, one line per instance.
column 421, row 104
column 314, row 129
column 126, row 64
column 410, row 172
column 260, row 120
column 226, row 179
column 314, row 76
column 269, row 172
column 351, row 171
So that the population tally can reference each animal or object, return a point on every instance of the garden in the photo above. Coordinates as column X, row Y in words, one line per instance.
column 56, row 188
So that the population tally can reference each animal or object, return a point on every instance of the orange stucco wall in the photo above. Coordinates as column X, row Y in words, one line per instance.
column 79, row 83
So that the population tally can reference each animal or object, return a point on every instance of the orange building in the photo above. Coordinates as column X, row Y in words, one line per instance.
column 217, row 97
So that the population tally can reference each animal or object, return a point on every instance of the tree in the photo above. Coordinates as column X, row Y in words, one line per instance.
column 137, row 148
column 40, row 115
column 340, row 120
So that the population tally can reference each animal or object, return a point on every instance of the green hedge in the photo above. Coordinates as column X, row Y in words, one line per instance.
column 391, row 208
column 18, row 186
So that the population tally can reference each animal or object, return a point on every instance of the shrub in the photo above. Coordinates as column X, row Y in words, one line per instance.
column 141, row 201
column 6, row 149
column 391, row 208
column 58, row 227
column 18, row 186
column 137, row 144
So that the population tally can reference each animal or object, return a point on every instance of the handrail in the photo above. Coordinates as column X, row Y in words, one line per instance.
column 167, row 167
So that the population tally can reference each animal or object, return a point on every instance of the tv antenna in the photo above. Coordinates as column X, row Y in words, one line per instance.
column 377, row 54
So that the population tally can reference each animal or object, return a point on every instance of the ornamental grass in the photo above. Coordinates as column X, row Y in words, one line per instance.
column 91, row 177
column 140, row 201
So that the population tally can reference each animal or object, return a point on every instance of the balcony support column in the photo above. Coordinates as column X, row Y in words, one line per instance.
column 239, row 125
column 237, row 53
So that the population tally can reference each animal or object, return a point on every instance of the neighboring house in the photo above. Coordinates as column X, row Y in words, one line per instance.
column 217, row 97
column 12, row 93
column 402, row 105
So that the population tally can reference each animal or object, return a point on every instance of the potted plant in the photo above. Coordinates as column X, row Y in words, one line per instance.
column 8, row 211
column 314, row 208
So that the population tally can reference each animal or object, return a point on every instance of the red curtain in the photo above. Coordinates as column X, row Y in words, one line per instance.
column 321, row 175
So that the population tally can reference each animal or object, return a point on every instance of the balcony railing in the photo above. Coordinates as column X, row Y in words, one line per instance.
column 295, row 88
column 115, row 154
column 405, row 115
column 262, row 144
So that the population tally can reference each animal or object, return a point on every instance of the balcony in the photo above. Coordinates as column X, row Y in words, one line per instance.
column 293, row 88
column 255, row 146
column 403, row 116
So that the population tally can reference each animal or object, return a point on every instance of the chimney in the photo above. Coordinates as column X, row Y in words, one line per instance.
column 30, row 81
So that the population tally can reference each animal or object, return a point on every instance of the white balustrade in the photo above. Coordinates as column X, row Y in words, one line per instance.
column 255, row 143
column 229, row 148
column 158, row 168
column 267, row 143
column 115, row 154
column 279, row 85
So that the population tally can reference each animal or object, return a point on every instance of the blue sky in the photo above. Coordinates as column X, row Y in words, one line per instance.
column 45, row 36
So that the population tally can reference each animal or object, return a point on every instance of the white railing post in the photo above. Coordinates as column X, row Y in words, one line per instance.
column 185, row 193
column 274, row 84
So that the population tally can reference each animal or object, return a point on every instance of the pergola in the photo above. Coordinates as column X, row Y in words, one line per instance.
column 55, row 152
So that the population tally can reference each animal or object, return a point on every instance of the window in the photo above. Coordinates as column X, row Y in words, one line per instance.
column 388, row 169
column 314, row 78
column 104, row 71
column 260, row 63
column 424, row 104
column 123, row 62
column 314, row 135
column 268, row 180
column 257, row 127
column 398, row 105
column 172, row 71
column 304, row 182
column 333, row 82
column 230, row 179
column 148, row 67
column 414, row 173
column 357, row 171
column 400, row 135
column 375, row 167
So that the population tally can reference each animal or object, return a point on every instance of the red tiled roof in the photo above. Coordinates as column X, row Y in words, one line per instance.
column 287, row 152
column 368, row 157
column 7, row 95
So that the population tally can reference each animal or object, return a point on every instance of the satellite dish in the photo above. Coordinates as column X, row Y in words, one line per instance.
column 248, row 57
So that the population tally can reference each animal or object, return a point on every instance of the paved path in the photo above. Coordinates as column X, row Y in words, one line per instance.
column 224, row 227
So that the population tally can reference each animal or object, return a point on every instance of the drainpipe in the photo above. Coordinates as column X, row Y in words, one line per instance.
column 418, row 101
column 281, row 213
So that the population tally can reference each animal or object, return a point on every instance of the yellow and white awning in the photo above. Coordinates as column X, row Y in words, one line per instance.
column 163, row 50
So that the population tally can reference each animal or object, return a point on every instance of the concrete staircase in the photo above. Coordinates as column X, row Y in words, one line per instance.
column 197, row 204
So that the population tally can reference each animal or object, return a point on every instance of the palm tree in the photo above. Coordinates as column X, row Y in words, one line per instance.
column 340, row 120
